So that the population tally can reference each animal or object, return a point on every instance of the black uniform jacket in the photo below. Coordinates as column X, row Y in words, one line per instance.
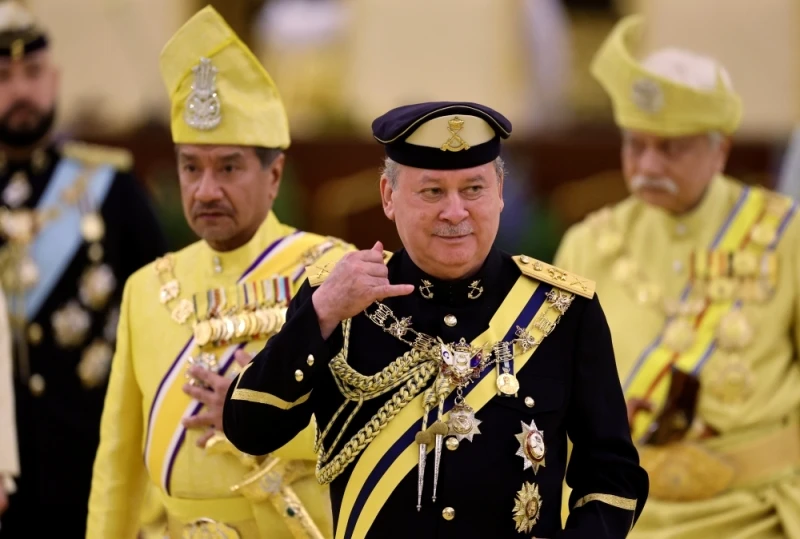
column 568, row 387
column 58, row 420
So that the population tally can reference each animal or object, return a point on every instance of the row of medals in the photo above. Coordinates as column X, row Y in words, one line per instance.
column 71, row 323
column 248, row 324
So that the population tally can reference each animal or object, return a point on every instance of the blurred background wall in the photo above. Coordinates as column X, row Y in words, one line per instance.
column 340, row 63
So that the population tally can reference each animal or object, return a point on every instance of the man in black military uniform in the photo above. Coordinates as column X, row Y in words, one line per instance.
column 448, row 344
column 74, row 226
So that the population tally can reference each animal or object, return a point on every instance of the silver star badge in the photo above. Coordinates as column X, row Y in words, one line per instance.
column 531, row 446
column 462, row 422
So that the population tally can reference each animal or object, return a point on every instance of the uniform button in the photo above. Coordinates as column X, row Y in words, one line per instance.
column 310, row 360
column 298, row 375
column 448, row 513
column 529, row 402
column 677, row 266
column 36, row 384
column 452, row 443
column 680, row 229
column 450, row 320
column 35, row 334
column 524, row 259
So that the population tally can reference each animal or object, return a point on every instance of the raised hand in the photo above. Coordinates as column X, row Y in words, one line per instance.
column 357, row 280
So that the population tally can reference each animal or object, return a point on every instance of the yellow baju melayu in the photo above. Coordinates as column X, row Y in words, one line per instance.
column 198, row 307
column 715, row 294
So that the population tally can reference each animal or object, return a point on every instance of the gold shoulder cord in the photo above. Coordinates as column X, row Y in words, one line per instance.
column 413, row 371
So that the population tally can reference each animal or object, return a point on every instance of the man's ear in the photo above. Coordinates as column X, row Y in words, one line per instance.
column 274, row 173
column 386, row 197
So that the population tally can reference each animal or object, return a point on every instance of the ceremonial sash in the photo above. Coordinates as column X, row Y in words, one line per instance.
column 171, row 405
column 56, row 244
column 394, row 453
column 648, row 378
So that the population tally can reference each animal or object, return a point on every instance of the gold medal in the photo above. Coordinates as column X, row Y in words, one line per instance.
column 27, row 273
column 507, row 384
column 92, row 227
column 462, row 423
column 729, row 379
column 217, row 329
column 95, row 363
column 96, row 286
column 734, row 331
column 721, row 289
column 18, row 226
column 242, row 325
column 202, row 332
column 745, row 264
column 527, row 507
column 230, row 329
column 182, row 311
column 253, row 324
column 763, row 235
column 70, row 325
column 679, row 335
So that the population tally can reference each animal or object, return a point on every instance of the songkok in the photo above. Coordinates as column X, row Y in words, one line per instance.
column 19, row 32
column 647, row 101
column 220, row 92
column 442, row 135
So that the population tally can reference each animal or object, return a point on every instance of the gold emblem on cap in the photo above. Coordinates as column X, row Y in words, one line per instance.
column 17, row 49
column 455, row 143
column 647, row 95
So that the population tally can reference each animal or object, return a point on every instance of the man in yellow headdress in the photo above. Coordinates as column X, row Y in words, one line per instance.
column 189, row 319
column 701, row 285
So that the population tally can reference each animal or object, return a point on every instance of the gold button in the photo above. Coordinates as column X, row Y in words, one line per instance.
column 310, row 360
column 448, row 513
column 524, row 259
column 217, row 264
column 36, row 384
column 450, row 320
column 529, row 402
column 680, row 229
column 35, row 333
column 451, row 443
column 298, row 375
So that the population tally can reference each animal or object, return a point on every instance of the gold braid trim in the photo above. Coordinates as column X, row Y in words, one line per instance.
column 413, row 371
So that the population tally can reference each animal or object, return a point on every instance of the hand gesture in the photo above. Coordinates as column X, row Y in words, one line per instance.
column 212, row 396
column 357, row 280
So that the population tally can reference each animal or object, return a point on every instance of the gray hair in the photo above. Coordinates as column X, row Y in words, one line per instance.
column 391, row 169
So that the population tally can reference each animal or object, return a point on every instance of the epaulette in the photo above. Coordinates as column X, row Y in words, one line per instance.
column 555, row 276
column 96, row 155
column 317, row 273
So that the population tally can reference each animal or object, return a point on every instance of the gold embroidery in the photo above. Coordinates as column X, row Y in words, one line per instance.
column 615, row 501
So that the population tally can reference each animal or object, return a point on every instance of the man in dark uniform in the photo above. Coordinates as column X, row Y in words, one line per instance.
column 448, row 343
column 74, row 226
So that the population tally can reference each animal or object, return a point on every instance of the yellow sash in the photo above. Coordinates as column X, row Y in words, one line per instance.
column 648, row 378
column 394, row 453
column 165, row 432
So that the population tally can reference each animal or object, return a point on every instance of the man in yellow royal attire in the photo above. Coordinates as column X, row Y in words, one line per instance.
column 188, row 318
column 700, row 279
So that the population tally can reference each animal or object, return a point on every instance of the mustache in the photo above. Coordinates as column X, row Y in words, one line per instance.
column 641, row 181
column 461, row 229
column 21, row 105
column 200, row 209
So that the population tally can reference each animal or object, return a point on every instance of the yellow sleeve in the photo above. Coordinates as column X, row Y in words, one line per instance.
column 119, row 476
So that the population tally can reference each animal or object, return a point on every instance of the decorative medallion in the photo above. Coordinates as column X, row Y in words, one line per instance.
column 425, row 289
column 461, row 361
column 531, row 446
column 203, row 108
column 560, row 299
column 679, row 335
column 735, row 331
column 455, row 143
column 95, row 363
column 462, row 423
column 527, row 507
column 647, row 95
column 17, row 191
column 92, row 227
column 475, row 290
column 729, row 379
column 70, row 324
column 96, row 286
